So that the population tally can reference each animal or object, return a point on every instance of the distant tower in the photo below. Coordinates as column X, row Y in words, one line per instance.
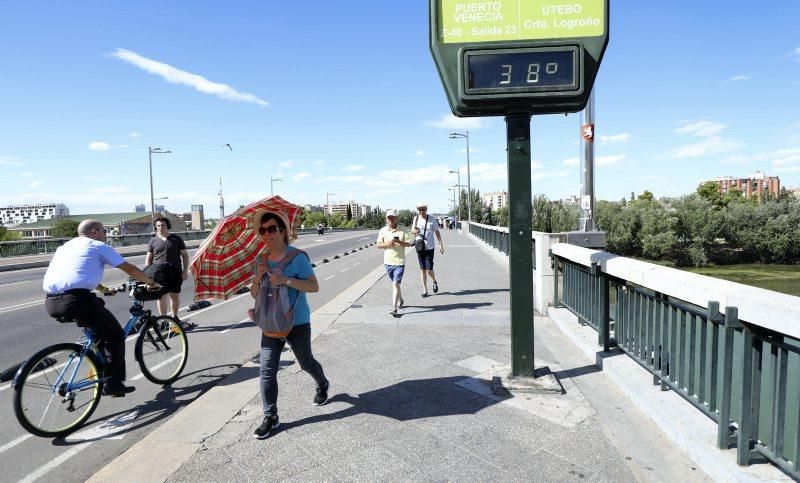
column 221, row 201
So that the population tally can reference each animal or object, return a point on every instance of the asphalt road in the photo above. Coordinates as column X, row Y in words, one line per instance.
column 222, row 341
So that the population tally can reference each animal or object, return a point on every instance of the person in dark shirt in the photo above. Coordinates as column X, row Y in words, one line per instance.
column 168, row 248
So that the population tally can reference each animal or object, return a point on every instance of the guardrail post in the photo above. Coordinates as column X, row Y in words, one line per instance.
column 603, row 319
column 743, row 440
column 724, row 435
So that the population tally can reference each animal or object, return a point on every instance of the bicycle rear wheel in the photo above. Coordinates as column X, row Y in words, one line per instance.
column 48, row 400
column 162, row 349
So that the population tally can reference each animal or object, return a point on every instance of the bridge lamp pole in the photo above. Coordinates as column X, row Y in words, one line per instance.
column 272, row 180
column 150, row 152
column 465, row 135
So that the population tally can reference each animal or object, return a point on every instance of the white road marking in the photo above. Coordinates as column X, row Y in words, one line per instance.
column 17, row 441
column 346, row 269
column 235, row 325
column 365, row 238
column 16, row 283
column 111, row 429
column 25, row 305
column 357, row 263
column 3, row 388
column 44, row 469
column 157, row 366
column 328, row 278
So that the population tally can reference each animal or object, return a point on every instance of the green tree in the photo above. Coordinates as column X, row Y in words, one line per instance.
column 501, row 216
column 349, row 215
column 477, row 204
column 312, row 218
column 646, row 196
column 405, row 217
column 337, row 220
column 64, row 228
column 710, row 191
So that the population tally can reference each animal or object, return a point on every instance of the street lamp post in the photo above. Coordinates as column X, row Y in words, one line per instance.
column 456, row 187
column 271, row 180
column 457, row 171
column 150, row 152
column 465, row 135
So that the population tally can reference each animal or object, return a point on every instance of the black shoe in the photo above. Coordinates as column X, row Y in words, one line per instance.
column 116, row 389
column 322, row 394
column 269, row 423
column 435, row 287
column 425, row 293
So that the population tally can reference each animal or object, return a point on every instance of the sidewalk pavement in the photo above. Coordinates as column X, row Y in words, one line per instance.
column 411, row 398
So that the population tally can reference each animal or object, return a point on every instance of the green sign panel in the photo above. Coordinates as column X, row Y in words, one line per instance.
column 466, row 21
column 518, row 56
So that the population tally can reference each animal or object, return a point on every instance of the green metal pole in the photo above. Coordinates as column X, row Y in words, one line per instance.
column 520, row 254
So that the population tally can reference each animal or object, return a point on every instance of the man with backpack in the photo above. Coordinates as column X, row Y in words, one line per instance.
column 423, row 228
column 281, row 280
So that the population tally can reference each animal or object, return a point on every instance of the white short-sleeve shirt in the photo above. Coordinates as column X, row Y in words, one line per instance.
column 79, row 263
column 433, row 225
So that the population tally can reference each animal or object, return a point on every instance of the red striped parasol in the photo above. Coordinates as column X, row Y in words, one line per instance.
column 224, row 263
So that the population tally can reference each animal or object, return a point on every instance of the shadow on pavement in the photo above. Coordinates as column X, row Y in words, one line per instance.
column 166, row 403
column 439, row 308
column 404, row 401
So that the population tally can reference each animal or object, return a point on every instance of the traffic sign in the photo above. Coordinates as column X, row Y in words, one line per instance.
column 518, row 56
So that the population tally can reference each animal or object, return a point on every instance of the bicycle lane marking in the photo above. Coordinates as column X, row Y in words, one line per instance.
column 17, row 441
column 55, row 462
column 241, row 322
column 116, row 426
column 24, row 305
column 157, row 366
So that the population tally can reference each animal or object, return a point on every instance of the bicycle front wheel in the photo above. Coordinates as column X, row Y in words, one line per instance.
column 57, row 390
column 162, row 349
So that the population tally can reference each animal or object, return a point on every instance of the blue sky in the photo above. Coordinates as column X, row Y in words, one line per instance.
column 344, row 98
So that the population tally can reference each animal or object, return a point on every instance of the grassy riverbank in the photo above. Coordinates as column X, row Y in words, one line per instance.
column 780, row 278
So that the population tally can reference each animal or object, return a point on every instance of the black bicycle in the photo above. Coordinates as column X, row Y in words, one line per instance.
column 57, row 389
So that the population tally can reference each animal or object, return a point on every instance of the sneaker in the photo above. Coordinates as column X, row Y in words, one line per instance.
column 117, row 389
column 322, row 394
column 269, row 423
column 435, row 287
column 425, row 293
column 400, row 303
column 393, row 312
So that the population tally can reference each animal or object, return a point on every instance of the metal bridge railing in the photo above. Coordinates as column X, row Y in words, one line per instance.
column 744, row 375
column 495, row 236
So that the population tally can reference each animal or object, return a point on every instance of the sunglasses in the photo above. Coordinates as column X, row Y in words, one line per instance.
column 422, row 209
column 270, row 229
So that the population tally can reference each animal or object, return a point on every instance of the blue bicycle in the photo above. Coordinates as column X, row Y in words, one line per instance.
column 58, row 388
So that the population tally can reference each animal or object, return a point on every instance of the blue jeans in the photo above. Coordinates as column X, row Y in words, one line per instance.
column 300, row 340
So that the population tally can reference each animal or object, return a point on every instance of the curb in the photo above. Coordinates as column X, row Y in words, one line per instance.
column 178, row 439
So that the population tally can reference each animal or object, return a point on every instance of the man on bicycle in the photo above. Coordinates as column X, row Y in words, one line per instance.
column 75, row 270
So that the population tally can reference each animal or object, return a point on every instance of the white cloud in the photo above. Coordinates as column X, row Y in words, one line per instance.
column 738, row 78
column 551, row 174
column 318, row 163
column 99, row 177
column 135, row 134
column 700, row 128
column 302, row 175
column 609, row 160
column 790, row 169
column 795, row 54
column 420, row 153
column 344, row 179
column 98, row 146
column 485, row 172
column 648, row 177
column 26, row 173
column 783, row 157
column 449, row 121
column 178, row 76
column 614, row 138
column 121, row 146
column 571, row 162
column 36, row 184
column 8, row 161
column 286, row 164
column 711, row 145
column 355, row 167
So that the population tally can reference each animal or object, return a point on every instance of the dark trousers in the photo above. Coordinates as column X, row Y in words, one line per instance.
column 90, row 312
column 300, row 340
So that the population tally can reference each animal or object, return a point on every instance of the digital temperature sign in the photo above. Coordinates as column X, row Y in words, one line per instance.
column 521, row 70
column 518, row 56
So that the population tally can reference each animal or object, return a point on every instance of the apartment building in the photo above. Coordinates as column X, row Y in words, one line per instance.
column 356, row 209
column 17, row 215
column 495, row 200
column 754, row 185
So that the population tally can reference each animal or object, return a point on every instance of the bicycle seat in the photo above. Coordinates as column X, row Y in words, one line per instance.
column 65, row 319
